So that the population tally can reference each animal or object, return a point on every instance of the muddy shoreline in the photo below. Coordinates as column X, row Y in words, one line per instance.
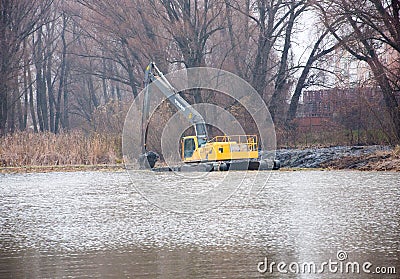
column 61, row 168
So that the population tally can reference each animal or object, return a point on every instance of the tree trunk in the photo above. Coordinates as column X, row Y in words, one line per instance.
column 132, row 80
column 104, row 83
column 66, row 98
column 41, row 95
column 26, row 90
column 62, row 78
column 388, row 93
column 26, row 104
column 118, row 90
column 3, row 107
column 278, row 99
column 264, row 47
column 92, row 92
column 18, row 106
column 31, row 103
column 50, row 91
column 11, row 109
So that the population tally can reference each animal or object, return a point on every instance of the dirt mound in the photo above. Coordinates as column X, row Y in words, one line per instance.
column 379, row 161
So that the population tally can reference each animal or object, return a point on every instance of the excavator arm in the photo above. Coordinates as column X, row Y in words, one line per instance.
column 154, row 75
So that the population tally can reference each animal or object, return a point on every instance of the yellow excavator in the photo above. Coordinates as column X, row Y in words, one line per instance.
column 221, row 153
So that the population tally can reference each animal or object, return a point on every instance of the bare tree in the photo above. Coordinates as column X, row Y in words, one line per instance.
column 277, row 103
column 122, row 34
column 190, row 25
column 18, row 20
column 269, row 34
column 319, row 49
column 373, row 25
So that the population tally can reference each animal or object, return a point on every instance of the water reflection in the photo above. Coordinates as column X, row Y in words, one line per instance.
column 95, row 224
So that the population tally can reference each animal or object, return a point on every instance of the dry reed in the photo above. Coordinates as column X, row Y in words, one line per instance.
column 47, row 149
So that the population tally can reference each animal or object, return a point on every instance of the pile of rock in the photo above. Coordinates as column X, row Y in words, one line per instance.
column 340, row 157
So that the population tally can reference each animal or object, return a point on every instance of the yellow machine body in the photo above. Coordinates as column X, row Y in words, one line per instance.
column 220, row 148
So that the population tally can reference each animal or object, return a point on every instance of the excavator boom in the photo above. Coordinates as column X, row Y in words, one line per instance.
column 155, row 76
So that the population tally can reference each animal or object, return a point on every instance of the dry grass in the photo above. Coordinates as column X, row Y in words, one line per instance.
column 396, row 151
column 47, row 149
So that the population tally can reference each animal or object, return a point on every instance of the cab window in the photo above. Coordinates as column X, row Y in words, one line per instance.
column 202, row 142
column 188, row 148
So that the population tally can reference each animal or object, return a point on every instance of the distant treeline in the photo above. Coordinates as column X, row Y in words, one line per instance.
column 77, row 65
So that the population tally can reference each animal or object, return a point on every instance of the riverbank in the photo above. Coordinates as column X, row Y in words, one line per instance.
column 61, row 168
column 75, row 151
column 376, row 157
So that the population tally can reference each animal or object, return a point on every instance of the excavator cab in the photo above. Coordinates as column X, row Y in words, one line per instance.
column 189, row 145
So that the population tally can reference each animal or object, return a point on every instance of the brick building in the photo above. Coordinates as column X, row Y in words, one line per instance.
column 327, row 106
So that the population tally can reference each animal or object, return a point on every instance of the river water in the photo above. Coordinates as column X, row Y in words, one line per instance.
column 96, row 224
